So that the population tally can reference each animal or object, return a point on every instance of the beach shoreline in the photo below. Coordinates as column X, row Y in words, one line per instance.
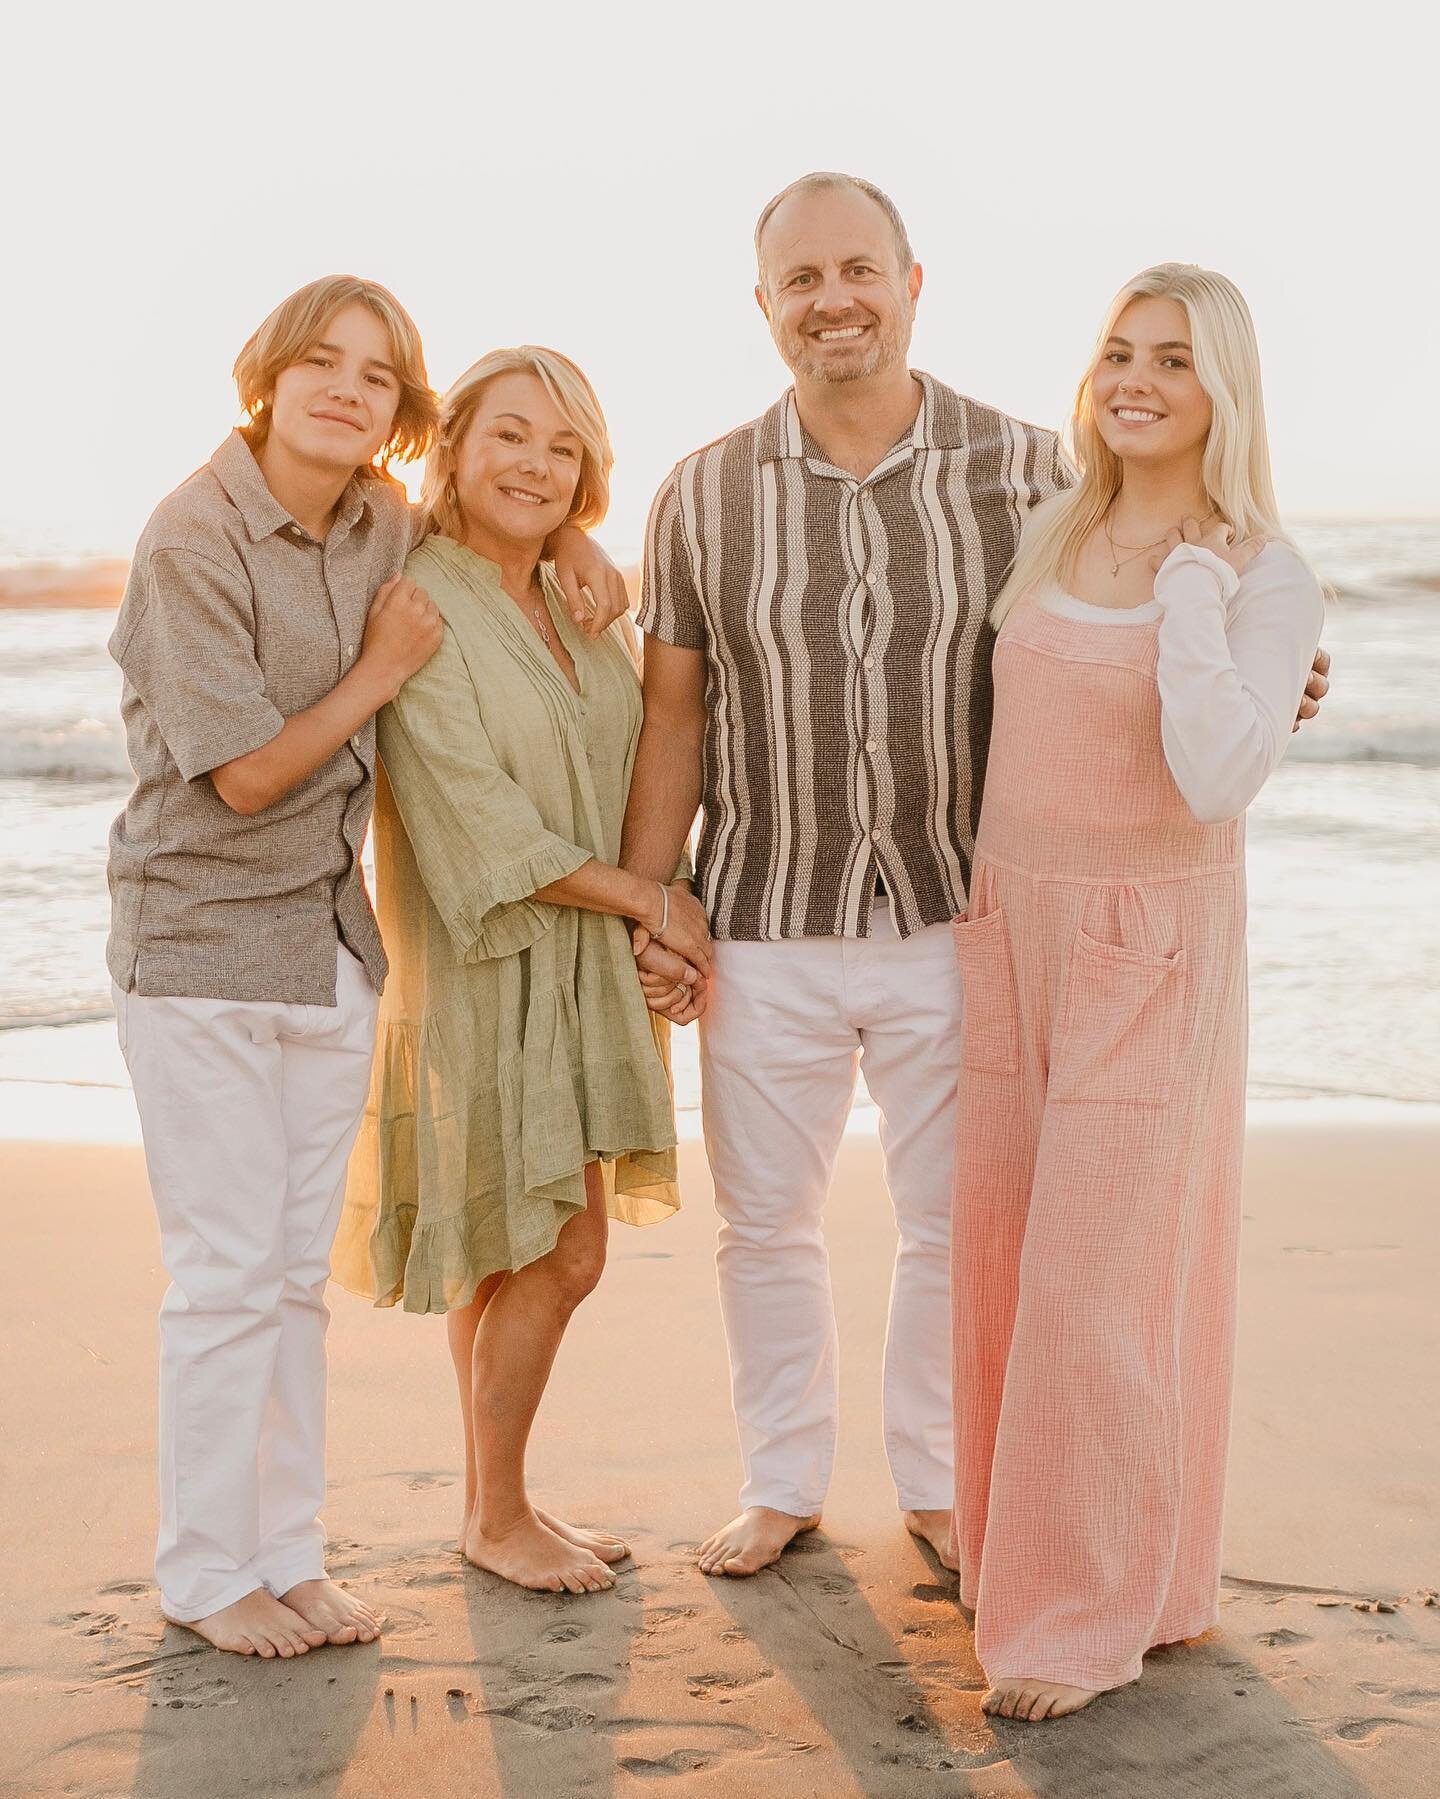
column 847, row 1670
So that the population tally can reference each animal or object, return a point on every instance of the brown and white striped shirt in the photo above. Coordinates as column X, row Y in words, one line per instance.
column 847, row 648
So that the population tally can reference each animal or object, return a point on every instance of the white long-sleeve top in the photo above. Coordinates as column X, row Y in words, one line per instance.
column 1234, row 655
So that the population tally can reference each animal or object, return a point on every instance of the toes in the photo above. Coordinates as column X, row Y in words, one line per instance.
column 1025, row 1707
column 1044, row 1707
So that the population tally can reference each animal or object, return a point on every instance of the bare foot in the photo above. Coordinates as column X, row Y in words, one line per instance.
column 258, row 1624
column 599, row 1542
column 933, row 1528
column 1031, row 1700
column 752, row 1541
column 532, row 1555
column 328, row 1608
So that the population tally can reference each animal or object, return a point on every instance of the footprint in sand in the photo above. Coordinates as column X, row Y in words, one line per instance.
column 129, row 1588
column 1359, row 1730
column 1283, row 1639
column 930, row 1593
column 566, row 1633
column 582, row 1684
column 400, row 1621
column 201, row 1694
column 88, row 1624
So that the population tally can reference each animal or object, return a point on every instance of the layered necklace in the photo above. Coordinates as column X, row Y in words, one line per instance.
column 1117, row 561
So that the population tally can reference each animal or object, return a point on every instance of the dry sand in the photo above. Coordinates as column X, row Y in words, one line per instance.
column 846, row 1670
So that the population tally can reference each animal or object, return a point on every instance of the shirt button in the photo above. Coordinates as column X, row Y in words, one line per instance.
column 870, row 746
column 869, row 662
column 875, row 836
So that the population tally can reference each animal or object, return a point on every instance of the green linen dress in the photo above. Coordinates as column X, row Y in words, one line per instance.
column 514, row 1043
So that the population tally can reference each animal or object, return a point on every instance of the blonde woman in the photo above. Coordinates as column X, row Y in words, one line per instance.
column 520, row 1095
column 1155, row 636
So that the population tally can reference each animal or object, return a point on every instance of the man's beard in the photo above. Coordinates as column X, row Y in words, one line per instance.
column 888, row 348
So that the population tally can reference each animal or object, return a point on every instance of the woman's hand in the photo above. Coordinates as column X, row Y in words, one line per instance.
column 1214, row 537
column 670, row 985
column 594, row 588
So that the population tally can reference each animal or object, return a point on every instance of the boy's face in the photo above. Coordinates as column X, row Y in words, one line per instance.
column 336, row 406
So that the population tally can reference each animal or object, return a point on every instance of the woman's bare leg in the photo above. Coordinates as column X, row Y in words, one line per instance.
column 516, row 1336
column 461, row 1326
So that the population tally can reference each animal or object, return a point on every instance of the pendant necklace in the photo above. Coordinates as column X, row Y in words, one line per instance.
column 1118, row 562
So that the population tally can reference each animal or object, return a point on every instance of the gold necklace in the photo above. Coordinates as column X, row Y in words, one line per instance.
column 542, row 623
column 1119, row 562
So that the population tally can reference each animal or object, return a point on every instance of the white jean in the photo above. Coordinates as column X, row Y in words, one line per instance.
column 249, row 1110
column 787, row 1026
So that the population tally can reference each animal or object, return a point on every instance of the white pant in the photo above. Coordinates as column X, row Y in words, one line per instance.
column 249, row 1110
column 787, row 1024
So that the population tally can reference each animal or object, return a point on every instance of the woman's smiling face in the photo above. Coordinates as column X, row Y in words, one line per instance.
column 1148, row 400
column 518, row 465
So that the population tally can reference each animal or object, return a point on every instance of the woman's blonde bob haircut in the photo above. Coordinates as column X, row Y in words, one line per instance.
column 575, row 400
column 299, row 322
column 1236, row 466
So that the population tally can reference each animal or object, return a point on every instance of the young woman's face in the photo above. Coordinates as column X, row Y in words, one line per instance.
column 336, row 406
column 518, row 464
column 1149, row 404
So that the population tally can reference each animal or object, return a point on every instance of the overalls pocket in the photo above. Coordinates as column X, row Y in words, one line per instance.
column 1121, row 1028
column 989, row 1030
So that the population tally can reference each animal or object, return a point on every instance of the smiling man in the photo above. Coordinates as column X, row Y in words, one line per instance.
column 817, row 592
column 818, row 679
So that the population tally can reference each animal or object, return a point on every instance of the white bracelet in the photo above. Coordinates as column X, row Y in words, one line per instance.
column 664, row 908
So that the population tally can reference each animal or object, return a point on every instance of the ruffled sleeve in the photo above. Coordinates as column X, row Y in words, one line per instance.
column 480, row 844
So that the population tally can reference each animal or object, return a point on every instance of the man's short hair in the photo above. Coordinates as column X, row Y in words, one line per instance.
column 819, row 179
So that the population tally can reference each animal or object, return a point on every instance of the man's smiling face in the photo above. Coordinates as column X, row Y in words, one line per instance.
column 840, row 306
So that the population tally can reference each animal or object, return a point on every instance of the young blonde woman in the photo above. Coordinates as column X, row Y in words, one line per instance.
column 520, row 1094
column 1154, row 640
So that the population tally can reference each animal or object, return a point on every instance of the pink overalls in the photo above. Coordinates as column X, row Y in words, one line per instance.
column 1097, row 1187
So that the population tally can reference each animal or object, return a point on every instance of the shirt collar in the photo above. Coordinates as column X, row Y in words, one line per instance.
column 939, row 425
column 235, row 468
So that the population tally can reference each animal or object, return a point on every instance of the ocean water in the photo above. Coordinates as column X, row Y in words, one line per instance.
column 1344, row 852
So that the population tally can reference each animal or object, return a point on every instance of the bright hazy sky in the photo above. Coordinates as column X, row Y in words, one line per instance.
column 588, row 177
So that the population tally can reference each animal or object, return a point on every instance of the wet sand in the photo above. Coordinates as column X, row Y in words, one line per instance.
column 848, row 1669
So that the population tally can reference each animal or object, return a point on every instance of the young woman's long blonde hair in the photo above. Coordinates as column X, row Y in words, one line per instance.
column 575, row 400
column 1236, row 467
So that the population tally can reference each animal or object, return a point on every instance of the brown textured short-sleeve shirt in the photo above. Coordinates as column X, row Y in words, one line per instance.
column 845, row 625
column 234, row 619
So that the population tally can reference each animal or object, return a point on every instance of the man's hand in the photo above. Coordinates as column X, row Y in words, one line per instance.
column 1315, row 689
column 594, row 587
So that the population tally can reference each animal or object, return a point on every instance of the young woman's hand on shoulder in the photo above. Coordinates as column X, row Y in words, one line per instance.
column 1214, row 536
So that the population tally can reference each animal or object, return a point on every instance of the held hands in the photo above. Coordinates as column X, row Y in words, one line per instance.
column 1214, row 537
column 670, row 985
column 672, row 953
column 403, row 630
column 594, row 588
